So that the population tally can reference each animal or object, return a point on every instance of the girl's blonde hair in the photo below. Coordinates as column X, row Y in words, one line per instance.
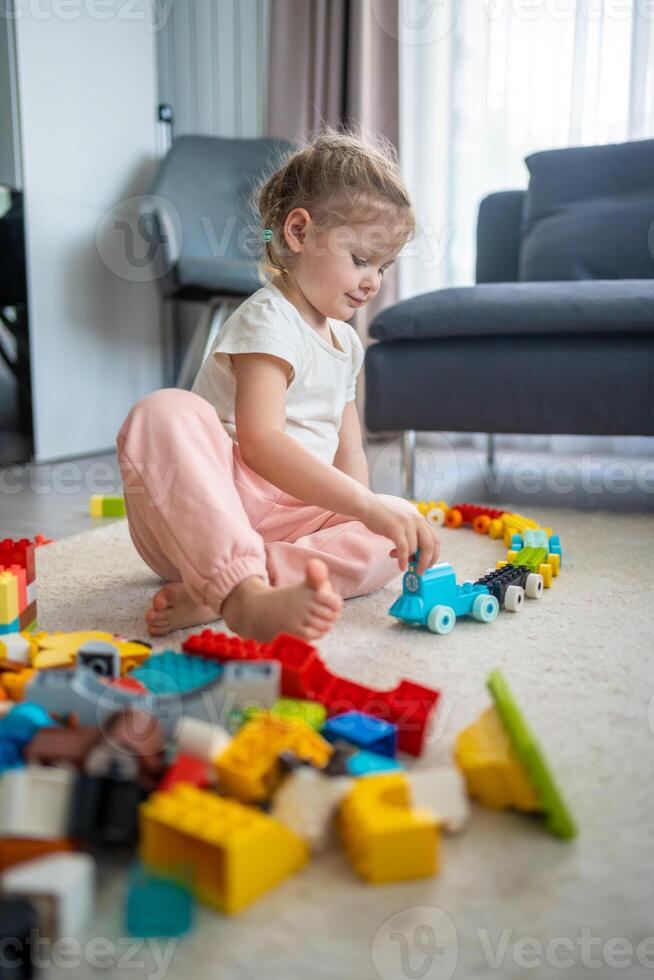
column 341, row 177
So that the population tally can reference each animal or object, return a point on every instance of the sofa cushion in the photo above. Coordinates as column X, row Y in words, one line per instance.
column 519, row 308
column 589, row 213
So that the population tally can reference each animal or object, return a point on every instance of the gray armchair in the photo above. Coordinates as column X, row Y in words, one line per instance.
column 558, row 334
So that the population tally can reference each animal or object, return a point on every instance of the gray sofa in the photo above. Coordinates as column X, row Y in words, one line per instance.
column 558, row 334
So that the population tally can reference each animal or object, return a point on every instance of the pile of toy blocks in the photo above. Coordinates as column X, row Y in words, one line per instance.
column 18, row 584
column 224, row 767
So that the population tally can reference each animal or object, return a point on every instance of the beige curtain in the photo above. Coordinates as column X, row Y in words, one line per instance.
column 332, row 61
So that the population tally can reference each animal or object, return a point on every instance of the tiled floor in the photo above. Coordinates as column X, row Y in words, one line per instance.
column 53, row 498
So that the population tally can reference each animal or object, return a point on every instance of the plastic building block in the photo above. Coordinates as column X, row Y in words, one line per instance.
column 18, row 553
column 15, row 850
column 305, row 676
column 19, row 931
column 477, row 517
column 66, row 645
column 385, row 839
column 104, row 809
column 100, row 656
column 363, row 730
column 310, row 712
column 9, row 607
column 306, row 803
column 23, row 721
column 443, row 791
column 16, row 647
column 62, row 884
column 557, row 817
column 15, row 684
column 10, row 755
column 187, row 769
column 249, row 768
column 433, row 511
column 491, row 768
column 200, row 739
column 536, row 560
column 35, row 802
column 435, row 599
column 171, row 672
column 237, row 852
column 62, row 746
column 509, row 524
column 510, row 583
column 499, row 775
column 156, row 905
column 222, row 647
column 363, row 763
column 107, row 505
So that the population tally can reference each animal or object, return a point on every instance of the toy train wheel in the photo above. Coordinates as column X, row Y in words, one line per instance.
column 514, row 598
column 534, row 586
column 485, row 608
column 481, row 523
column 441, row 619
column 454, row 518
column 435, row 516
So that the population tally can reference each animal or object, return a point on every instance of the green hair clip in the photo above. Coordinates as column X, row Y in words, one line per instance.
column 267, row 235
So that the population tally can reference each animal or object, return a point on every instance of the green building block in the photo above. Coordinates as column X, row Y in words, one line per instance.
column 107, row 505
column 532, row 558
column 557, row 817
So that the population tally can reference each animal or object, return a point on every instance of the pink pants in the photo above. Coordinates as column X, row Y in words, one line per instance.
column 197, row 514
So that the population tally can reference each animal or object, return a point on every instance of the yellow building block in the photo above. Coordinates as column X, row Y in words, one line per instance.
column 14, row 683
column 385, row 839
column 493, row 772
column 249, row 768
column 62, row 648
column 236, row 852
column 8, row 598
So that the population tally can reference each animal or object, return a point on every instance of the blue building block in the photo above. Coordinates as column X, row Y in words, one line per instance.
column 10, row 755
column 171, row 673
column 366, row 763
column 12, row 627
column 21, row 723
column 157, row 906
column 535, row 538
column 363, row 730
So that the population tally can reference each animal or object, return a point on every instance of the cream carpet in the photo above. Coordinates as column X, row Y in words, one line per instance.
column 509, row 899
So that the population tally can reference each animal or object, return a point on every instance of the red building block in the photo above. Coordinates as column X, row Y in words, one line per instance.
column 186, row 769
column 18, row 553
column 304, row 675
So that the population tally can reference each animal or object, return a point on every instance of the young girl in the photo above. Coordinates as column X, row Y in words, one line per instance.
column 249, row 495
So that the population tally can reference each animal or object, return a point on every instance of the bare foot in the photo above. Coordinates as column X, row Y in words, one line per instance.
column 255, row 609
column 173, row 609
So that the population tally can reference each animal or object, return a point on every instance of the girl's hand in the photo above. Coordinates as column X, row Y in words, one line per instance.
column 399, row 520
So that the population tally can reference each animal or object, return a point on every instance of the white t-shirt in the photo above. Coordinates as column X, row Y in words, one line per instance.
column 322, row 379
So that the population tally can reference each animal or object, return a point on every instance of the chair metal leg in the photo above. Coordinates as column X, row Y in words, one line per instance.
column 408, row 462
column 490, row 450
column 207, row 327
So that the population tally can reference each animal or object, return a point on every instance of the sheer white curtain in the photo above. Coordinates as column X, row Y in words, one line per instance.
column 483, row 84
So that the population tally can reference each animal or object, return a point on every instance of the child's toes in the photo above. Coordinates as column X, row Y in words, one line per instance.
column 327, row 602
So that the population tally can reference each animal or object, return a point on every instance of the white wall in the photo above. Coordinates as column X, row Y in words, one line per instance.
column 88, row 94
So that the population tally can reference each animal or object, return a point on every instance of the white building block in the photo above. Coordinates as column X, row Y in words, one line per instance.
column 443, row 791
column 15, row 647
column 35, row 802
column 201, row 739
column 62, row 888
column 306, row 803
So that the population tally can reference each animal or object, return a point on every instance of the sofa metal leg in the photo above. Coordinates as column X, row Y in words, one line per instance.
column 408, row 462
column 490, row 450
